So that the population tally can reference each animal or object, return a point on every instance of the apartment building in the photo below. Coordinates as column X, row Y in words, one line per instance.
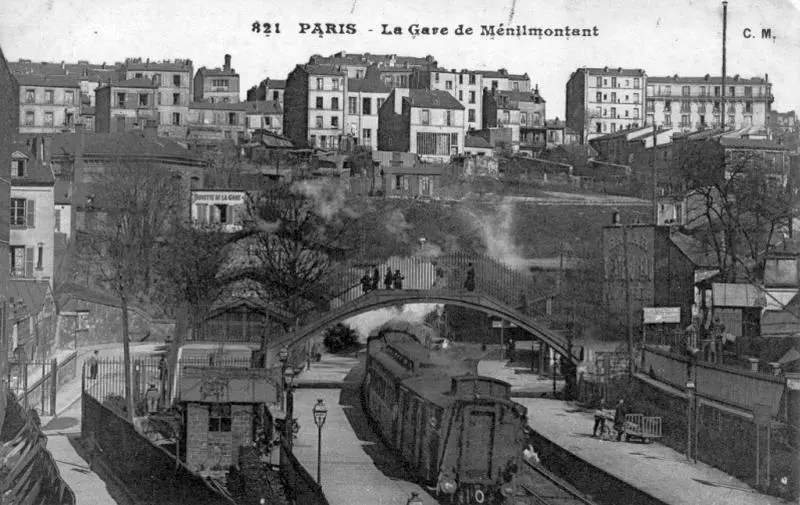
column 502, row 80
column 89, row 76
column 267, row 90
column 605, row 100
column 126, row 105
column 427, row 123
column 466, row 86
column 365, row 97
column 217, row 121
column 174, row 79
column 265, row 115
column 314, row 106
column 32, row 239
column 523, row 113
column 217, row 84
column 694, row 103
column 48, row 104
column 393, row 70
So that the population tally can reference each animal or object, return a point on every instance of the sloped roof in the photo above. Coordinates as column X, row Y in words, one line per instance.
column 625, row 72
column 32, row 294
column 276, row 83
column 433, row 100
column 501, row 74
column 694, row 250
column 70, row 294
column 269, row 139
column 175, row 66
column 367, row 86
column 476, row 141
column 707, row 79
column 207, row 72
column 55, row 81
column 264, row 107
column 322, row 70
column 134, row 144
column 343, row 58
column 225, row 106
column 36, row 172
column 733, row 142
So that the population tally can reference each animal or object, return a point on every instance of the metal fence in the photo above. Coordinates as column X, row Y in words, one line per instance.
column 35, row 384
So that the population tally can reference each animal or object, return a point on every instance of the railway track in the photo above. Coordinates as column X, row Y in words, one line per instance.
column 547, row 489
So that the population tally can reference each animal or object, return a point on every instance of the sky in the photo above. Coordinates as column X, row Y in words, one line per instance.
column 681, row 37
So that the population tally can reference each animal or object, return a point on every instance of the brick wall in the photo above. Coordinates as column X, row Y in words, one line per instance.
column 208, row 450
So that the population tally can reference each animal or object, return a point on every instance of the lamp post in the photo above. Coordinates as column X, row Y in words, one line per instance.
column 283, row 356
column 320, row 411
column 288, row 422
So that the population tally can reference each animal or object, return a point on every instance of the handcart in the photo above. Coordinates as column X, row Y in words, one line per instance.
column 644, row 428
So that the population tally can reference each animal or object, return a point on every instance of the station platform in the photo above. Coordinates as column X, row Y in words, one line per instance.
column 653, row 468
column 357, row 468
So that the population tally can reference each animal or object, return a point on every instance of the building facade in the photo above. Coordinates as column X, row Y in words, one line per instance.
column 264, row 116
column 688, row 104
column 218, row 209
column 174, row 79
column 217, row 121
column 267, row 90
column 48, row 104
column 521, row 112
column 392, row 69
column 466, row 86
column 214, row 85
column 89, row 76
column 314, row 102
column 126, row 105
column 605, row 100
column 365, row 97
column 427, row 123
column 32, row 239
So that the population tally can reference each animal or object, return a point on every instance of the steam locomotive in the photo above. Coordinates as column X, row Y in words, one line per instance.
column 456, row 430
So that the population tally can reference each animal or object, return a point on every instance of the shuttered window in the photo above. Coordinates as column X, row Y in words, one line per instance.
column 29, row 262
column 30, row 213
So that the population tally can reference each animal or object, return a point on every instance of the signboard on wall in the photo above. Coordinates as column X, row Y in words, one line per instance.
column 218, row 197
column 662, row 315
column 227, row 385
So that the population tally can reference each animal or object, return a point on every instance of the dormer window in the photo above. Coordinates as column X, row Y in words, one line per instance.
column 18, row 168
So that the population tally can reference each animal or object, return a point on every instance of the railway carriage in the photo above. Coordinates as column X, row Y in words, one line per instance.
column 454, row 429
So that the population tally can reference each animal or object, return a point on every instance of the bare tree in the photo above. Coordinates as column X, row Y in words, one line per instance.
column 133, row 207
column 746, row 201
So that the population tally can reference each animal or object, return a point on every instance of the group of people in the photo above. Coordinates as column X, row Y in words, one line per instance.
column 619, row 418
column 392, row 280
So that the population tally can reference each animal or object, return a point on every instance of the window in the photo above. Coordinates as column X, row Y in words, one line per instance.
column 366, row 136
column 401, row 182
column 121, row 100
column 425, row 185
column 471, row 115
column 219, row 417
column 267, row 121
column 471, row 97
column 686, row 107
column 605, row 82
column 598, row 127
column 523, row 117
column 448, row 118
column 472, row 78
column 748, row 108
column 334, row 121
column 312, row 141
column 68, row 119
column 318, row 122
column 40, row 257
column 702, row 91
column 30, row 95
column 598, row 111
column 716, row 90
column 494, row 85
column 352, row 105
column 48, row 96
column 335, row 103
column 426, row 116
column 537, row 118
column 366, row 106
column 29, row 118
column 515, row 86
column 461, row 78
column 613, row 82
column 276, row 95
column 731, row 90
column 320, row 104
column 668, row 120
column 176, row 99
column 748, row 91
column 613, row 98
column 17, row 168
column 613, row 112
column 626, row 113
column 143, row 99
column 18, row 261
column 636, row 113
column 636, row 82
column 460, row 96
column 731, row 120
column 686, row 91
column 176, row 118
column 176, row 80
column 138, row 75
column 436, row 76
column 220, row 83
column 685, row 120
column 58, row 220
column 320, row 83
column 232, row 120
column 598, row 97
column 448, row 84
column 599, row 82
column 48, row 119
column 650, row 119
column 22, row 212
column 335, row 84
column 613, row 127
column 380, row 103
column 506, row 117
column 636, row 98
column 667, row 106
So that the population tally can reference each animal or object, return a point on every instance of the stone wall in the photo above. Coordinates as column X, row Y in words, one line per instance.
column 207, row 450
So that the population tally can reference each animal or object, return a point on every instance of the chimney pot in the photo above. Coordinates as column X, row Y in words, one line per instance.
column 227, row 62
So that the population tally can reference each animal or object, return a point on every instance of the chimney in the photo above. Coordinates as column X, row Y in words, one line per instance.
column 77, row 163
column 227, row 62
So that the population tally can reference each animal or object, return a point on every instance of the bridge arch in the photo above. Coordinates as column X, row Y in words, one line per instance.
column 378, row 299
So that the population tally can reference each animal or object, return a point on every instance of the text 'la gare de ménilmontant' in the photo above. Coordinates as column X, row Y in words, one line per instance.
column 415, row 29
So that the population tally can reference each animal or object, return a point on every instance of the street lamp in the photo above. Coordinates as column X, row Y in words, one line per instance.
column 288, row 423
column 414, row 500
column 320, row 413
column 283, row 356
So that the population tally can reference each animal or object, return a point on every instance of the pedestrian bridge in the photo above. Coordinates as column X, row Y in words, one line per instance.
column 496, row 289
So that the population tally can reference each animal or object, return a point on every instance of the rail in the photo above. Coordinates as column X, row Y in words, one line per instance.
column 565, row 494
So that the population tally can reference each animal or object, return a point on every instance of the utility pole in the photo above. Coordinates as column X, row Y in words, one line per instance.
column 655, row 177
column 724, row 40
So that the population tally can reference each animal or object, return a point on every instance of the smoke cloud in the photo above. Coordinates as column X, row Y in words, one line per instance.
column 366, row 323
column 496, row 230
column 329, row 199
column 397, row 225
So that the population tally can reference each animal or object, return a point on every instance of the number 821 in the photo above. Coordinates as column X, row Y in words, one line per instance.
column 266, row 28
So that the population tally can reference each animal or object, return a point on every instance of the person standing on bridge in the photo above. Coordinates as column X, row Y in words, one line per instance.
column 469, row 283
column 387, row 281
column 398, row 279
column 376, row 279
column 366, row 283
